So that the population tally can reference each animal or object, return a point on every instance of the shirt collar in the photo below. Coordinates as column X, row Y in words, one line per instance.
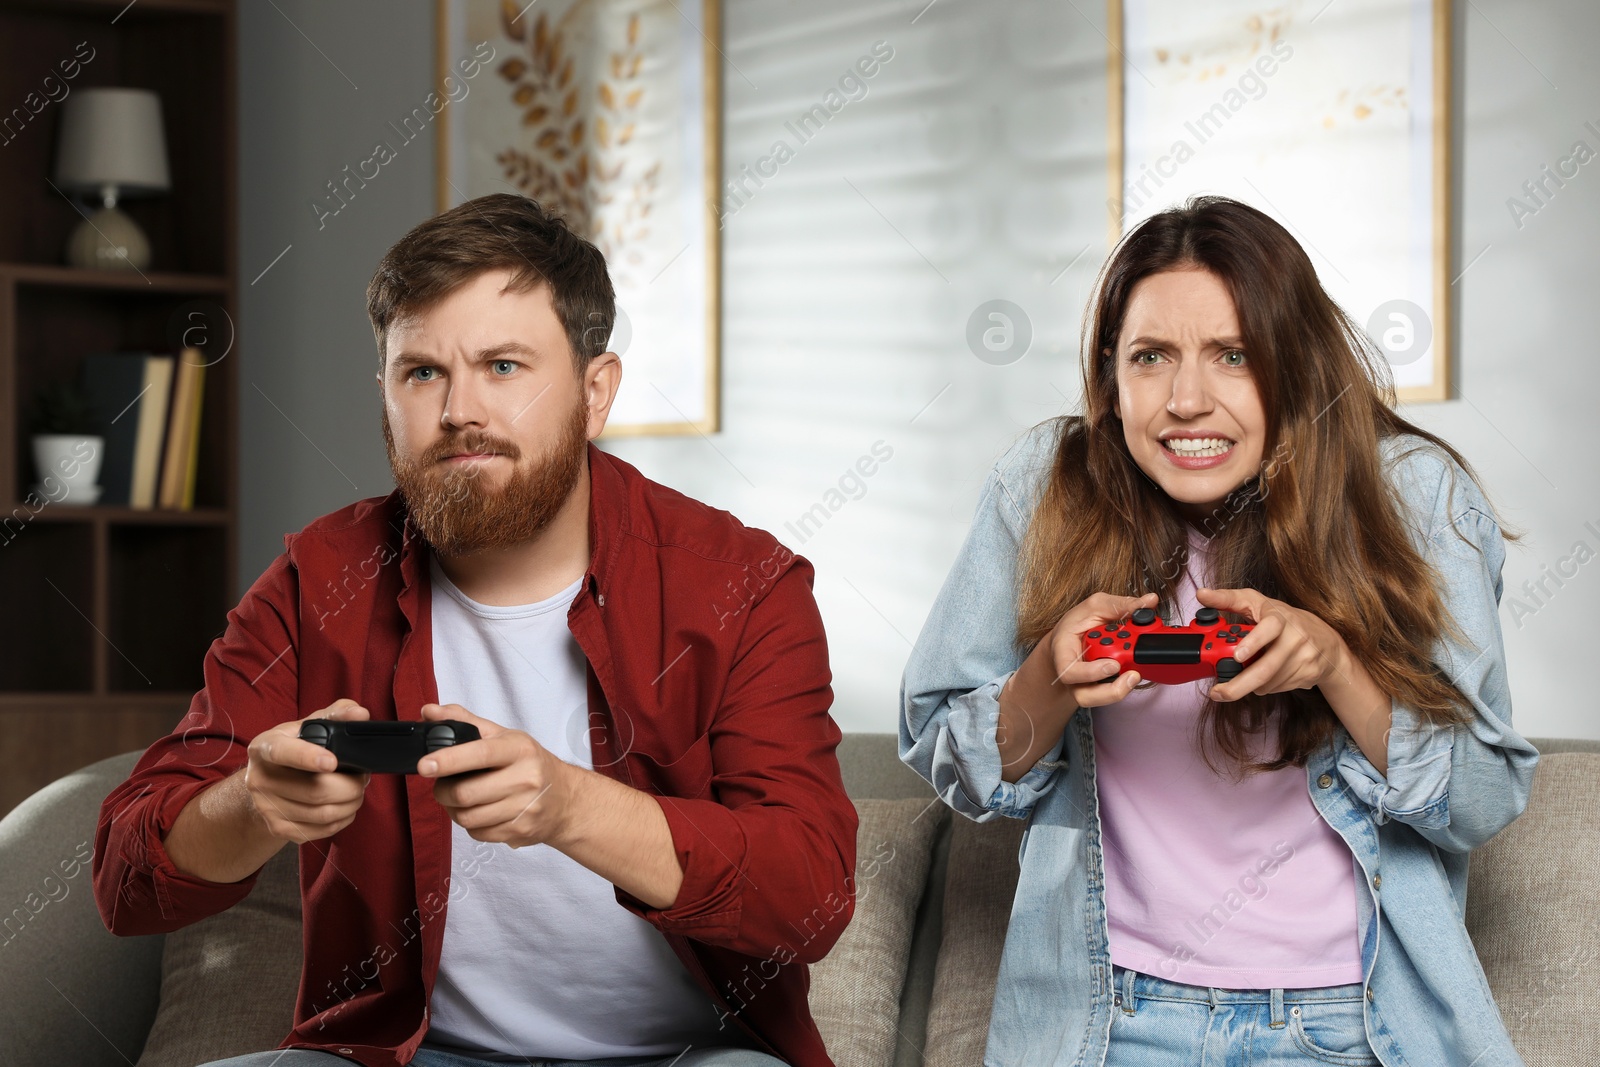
column 608, row 517
column 413, row 556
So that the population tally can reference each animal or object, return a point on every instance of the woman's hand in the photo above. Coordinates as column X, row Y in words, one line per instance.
column 1093, row 683
column 1055, row 681
column 1293, row 649
column 1290, row 648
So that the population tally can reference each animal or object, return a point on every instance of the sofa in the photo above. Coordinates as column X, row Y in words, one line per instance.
column 909, row 983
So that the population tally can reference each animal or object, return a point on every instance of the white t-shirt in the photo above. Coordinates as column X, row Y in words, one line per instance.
column 539, row 959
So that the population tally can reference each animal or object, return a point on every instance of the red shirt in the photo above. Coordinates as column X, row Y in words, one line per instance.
column 709, row 690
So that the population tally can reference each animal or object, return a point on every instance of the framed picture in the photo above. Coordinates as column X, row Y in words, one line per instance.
column 1334, row 118
column 609, row 113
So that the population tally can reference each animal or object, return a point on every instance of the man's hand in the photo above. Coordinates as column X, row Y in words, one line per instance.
column 293, row 784
column 288, row 791
column 504, row 787
column 507, row 787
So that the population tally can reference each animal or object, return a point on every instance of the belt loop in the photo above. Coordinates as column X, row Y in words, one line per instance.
column 1129, row 1005
column 1277, row 1009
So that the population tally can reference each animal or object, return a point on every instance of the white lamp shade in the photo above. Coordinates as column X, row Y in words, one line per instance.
column 113, row 137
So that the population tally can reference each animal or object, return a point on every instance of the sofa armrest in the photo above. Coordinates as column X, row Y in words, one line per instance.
column 1533, row 910
column 75, row 993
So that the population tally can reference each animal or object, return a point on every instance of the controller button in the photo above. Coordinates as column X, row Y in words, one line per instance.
column 1144, row 616
column 1205, row 616
column 1208, row 644
column 441, row 735
column 1234, row 628
column 1106, row 641
column 1126, row 645
column 1092, row 633
column 315, row 732
column 1123, row 633
column 1228, row 669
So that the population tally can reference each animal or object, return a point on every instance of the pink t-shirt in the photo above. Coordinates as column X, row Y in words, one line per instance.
column 1211, row 882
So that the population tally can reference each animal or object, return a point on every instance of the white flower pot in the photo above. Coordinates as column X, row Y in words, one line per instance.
column 71, row 459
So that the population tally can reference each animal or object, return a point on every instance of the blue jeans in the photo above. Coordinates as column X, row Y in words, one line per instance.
column 1156, row 1023
column 430, row 1057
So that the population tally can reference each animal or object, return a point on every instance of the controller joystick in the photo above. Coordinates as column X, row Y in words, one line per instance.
column 384, row 747
column 1169, row 655
column 446, row 734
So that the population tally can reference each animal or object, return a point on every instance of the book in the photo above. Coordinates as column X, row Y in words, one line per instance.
column 152, row 432
column 183, row 437
column 115, row 385
column 193, row 469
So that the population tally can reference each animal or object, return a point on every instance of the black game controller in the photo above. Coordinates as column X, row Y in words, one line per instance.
column 384, row 747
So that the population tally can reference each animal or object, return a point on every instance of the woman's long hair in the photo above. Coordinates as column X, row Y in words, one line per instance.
column 1318, row 527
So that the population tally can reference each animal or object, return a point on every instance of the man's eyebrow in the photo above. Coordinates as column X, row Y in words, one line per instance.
column 504, row 348
column 406, row 359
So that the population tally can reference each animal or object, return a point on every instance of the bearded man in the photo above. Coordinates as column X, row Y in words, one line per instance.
column 649, row 841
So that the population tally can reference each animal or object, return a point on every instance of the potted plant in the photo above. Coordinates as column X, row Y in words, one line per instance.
column 66, row 448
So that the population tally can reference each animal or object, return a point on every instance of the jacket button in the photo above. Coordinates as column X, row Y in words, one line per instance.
column 1377, row 881
column 1325, row 780
column 600, row 599
column 1369, row 994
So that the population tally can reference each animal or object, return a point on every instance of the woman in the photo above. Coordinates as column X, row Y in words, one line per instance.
column 1270, row 869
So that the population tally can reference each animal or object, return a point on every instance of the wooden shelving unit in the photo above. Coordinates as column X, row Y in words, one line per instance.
column 106, row 612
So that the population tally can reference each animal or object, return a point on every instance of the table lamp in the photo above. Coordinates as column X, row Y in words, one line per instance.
column 112, row 144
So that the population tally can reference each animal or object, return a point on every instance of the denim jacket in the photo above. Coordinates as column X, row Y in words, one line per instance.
column 1447, row 790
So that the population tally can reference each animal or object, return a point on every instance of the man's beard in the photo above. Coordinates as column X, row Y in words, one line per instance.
column 458, row 512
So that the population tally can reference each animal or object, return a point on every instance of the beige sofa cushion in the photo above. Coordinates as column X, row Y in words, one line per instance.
column 1533, row 909
column 228, row 982
column 977, row 907
column 855, row 990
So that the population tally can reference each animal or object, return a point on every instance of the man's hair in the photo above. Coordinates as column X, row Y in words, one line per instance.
column 501, row 231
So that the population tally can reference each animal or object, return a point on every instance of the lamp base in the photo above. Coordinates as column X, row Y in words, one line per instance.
column 108, row 240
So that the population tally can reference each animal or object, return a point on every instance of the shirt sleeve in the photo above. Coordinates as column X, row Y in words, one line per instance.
column 769, row 863
column 967, row 650
column 251, row 682
column 1456, row 785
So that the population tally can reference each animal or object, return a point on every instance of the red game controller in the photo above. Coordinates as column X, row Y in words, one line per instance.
column 1166, row 654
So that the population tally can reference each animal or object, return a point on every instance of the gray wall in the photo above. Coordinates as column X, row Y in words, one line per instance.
column 316, row 94
column 973, row 169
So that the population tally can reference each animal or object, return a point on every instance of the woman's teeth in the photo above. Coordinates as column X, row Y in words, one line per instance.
column 1198, row 446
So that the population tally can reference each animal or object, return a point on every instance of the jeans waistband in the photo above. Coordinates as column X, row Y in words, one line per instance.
column 1149, row 987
